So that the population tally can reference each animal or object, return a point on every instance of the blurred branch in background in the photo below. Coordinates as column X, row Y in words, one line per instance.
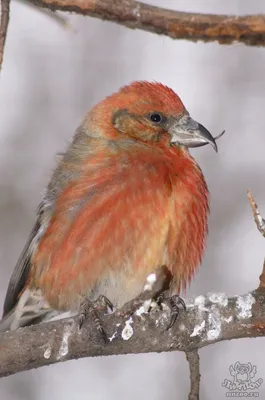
column 5, row 11
column 225, row 29
column 5, row 5
column 260, row 223
column 51, row 14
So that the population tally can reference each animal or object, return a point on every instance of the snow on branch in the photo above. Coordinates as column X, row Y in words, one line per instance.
column 208, row 319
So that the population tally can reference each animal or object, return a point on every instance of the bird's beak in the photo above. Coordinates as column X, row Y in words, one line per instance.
column 190, row 133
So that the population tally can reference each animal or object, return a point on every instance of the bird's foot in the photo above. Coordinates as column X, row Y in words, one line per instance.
column 102, row 303
column 175, row 303
column 92, row 309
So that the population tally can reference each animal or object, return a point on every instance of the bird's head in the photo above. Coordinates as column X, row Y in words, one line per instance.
column 149, row 112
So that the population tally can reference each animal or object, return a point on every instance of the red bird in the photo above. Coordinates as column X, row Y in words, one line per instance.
column 125, row 198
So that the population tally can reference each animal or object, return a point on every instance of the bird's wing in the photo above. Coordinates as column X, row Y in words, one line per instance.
column 21, row 272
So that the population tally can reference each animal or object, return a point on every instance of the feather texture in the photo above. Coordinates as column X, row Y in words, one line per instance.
column 122, row 201
column 116, row 224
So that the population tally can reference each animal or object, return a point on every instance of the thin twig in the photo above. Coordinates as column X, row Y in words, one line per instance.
column 5, row 6
column 51, row 14
column 262, row 278
column 225, row 29
column 194, row 364
column 260, row 222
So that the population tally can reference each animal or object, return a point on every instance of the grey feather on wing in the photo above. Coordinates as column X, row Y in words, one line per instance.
column 20, row 273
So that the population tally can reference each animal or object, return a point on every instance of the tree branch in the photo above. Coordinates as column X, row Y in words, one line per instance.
column 225, row 29
column 260, row 222
column 209, row 319
column 195, row 376
column 5, row 5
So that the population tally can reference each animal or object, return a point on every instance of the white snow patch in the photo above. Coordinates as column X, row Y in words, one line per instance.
column 136, row 10
column 154, row 305
column 144, row 308
column 151, row 279
column 200, row 303
column 113, row 336
column 219, row 298
column 140, row 311
column 244, row 305
column 127, row 331
column 214, row 324
column 229, row 319
column 147, row 304
column 198, row 329
column 48, row 352
column 63, row 351
column 260, row 219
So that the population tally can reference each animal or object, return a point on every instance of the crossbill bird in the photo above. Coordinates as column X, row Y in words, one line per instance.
column 125, row 198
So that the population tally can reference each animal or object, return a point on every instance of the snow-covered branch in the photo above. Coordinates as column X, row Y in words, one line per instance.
column 208, row 319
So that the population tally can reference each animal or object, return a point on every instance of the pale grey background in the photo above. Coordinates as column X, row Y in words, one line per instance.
column 51, row 77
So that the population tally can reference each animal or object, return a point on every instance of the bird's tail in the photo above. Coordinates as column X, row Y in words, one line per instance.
column 6, row 322
column 30, row 309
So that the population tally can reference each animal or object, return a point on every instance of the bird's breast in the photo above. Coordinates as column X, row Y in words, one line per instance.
column 114, row 226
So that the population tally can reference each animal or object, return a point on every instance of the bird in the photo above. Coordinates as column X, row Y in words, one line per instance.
column 125, row 198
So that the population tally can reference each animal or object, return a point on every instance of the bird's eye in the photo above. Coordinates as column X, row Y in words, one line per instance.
column 156, row 118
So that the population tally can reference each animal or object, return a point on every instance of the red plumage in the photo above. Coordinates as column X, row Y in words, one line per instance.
column 126, row 198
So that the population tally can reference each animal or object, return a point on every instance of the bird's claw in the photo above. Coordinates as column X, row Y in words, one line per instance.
column 103, row 302
column 174, row 302
column 89, row 307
